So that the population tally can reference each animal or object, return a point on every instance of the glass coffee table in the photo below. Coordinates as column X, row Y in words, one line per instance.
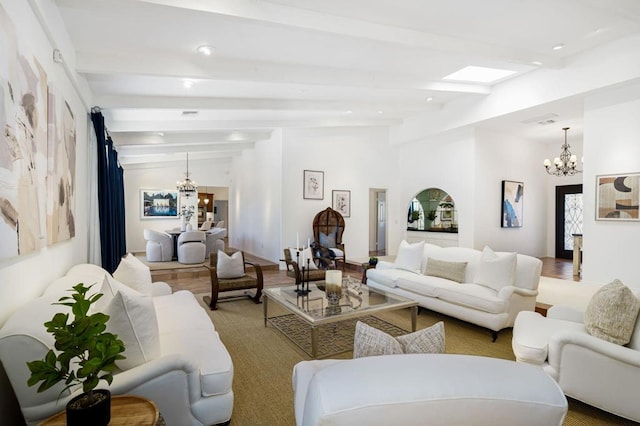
column 316, row 309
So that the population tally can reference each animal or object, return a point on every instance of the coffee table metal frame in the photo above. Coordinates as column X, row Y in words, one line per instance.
column 371, row 301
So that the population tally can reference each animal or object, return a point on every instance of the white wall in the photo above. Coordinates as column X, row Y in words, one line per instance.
column 164, row 176
column 446, row 162
column 611, row 135
column 255, row 199
column 501, row 156
column 353, row 159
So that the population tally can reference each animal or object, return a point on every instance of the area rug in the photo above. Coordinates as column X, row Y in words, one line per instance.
column 333, row 339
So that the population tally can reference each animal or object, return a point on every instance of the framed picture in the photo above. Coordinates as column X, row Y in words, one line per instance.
column 342, row 202
column 512, row 195
column 617, row 197
column 313, row 182
column 158, row 204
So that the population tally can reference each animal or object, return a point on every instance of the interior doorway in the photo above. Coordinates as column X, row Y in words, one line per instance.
column 569, row 216
column 377, row 222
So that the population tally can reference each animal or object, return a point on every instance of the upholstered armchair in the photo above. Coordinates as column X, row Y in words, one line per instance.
column 192, row 247
column 587, row 368
column 215, row 240
column 328, row 227
column 159, row 246
column 229, row 273
column 295, row 271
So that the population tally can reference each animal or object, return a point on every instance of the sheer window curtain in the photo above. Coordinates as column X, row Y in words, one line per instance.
column 93, row 220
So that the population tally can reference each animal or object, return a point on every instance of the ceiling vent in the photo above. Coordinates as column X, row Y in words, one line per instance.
column 190, row 113
column 545, row 119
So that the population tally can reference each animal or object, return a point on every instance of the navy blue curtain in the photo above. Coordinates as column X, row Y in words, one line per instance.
column 110, row 197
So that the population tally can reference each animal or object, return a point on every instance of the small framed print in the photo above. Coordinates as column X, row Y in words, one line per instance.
column 618, row 197
column 342, row 202
column 313, row 182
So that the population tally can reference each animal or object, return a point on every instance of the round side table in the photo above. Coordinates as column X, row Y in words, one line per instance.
column 125, row 410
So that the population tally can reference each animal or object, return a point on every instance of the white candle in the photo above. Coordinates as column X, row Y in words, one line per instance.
column 308, row 242
column 297, row 240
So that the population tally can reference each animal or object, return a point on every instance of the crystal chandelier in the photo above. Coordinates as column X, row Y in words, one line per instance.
column 565, row 165
column 187, row 187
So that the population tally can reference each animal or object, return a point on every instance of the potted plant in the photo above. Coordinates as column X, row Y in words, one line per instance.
column 373, row 261
column 415, row 215
column 85, row 354
column 432, row 215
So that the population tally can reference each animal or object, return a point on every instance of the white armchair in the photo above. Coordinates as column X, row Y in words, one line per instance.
column 206, row 225
column 191, row 247
column 219, row 224
column 587, row 368
column 215, row 240
column 159, row 246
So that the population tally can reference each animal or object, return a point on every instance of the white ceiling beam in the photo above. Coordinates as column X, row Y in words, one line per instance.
column 212, row 138
column 181, row 66
column 264, row 11
column 143, row 150
column 168, row 160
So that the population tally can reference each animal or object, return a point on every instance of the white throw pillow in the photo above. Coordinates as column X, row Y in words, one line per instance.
column 302, row 257
column 65, row 285
column 133, row 319
column 230, row 266
column 496, row 271
column 369, row 341
column 135, row 274
column 110, row 286
column 409, row 256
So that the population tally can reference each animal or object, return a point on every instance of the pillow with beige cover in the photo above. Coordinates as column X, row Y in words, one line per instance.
column 612, row 312
column 454, row 271
column 369, row 341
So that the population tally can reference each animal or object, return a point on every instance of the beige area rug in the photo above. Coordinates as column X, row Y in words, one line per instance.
column 161, row 266
column 263, row 360
column 333, row 338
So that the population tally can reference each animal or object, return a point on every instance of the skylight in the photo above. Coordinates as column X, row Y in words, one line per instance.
column 478, row 74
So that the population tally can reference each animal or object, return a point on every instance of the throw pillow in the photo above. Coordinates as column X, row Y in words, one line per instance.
column 369, row 341
column 454, row 271
column 301, row 256
column 230, row 266
column 328, row 241
column 133, row 319
column 496, row 271
column 409, row 256
column 135, row 274
column 612, row 312
column 109, row 287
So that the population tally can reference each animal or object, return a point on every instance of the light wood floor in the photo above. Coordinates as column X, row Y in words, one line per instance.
column 198, row 281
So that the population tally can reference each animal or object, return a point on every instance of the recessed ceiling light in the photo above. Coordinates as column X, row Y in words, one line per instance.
column 187, row 84
column 558, row 46
column 536, row 63
column 206, row 50
column 429, row 99
column 380, row 112
column 160, row 133
column 189, row 113
column 479, row 74
column 348, row 112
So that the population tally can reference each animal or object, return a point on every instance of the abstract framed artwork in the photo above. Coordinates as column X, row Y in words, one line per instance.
column 512, row 199
column 313, row 182
column 618, row 197
column 158, row 204
column 342, row 202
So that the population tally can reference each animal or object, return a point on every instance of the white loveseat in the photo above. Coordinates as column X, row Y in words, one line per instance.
column 493, row 287
column 188, row 373
column 421, row 389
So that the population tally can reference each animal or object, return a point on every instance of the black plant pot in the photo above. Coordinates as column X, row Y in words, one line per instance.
column 373, row 262
column 98, row 414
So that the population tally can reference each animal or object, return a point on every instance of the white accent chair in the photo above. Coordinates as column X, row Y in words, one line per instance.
column 159, row 246
column 220, row 224
column 215, row 240
column 418, row 389
column 206, row 225
column 587, row 368
column 192, row 247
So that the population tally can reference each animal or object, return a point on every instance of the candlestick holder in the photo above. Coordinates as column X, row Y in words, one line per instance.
column 305, row 280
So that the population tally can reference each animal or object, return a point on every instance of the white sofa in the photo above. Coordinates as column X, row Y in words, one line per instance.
column 423, row 389
column 494, row 304
column 587, row 368
column 189, row 378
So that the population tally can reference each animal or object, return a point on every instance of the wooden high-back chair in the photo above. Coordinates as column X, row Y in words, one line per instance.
column 328, row 227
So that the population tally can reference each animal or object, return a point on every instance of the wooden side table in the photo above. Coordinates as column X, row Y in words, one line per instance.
column 365, row 267
column 125, row 410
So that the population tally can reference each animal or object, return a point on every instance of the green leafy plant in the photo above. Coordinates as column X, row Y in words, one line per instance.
column 86, row 352
column 373, row 260
column 431, row 215
column 415, row 215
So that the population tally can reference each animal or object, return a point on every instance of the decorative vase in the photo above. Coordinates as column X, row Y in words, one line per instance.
column 99, row 414
column 183, row 225
column 189, row 226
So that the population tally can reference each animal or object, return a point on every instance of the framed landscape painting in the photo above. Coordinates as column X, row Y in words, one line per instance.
column 158, row 204
column 313, row 182
column 617, row 197
column 512, row 195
